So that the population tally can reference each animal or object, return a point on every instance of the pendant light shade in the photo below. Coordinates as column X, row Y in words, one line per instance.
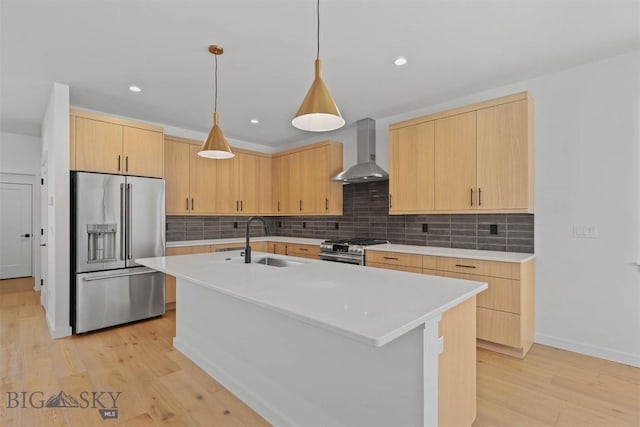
column 216, row 145
column 318, row 112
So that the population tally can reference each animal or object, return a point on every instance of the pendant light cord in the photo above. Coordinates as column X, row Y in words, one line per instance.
column 215, row 101
column 318, row 38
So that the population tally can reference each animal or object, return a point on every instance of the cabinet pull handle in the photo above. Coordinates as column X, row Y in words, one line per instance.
column 278, row 205
column 304, row 249
column 192, row 203
column 391, row 258
column 472, row 197
column 118, row 162
column 326, row 204
column 237, row 206
column 479, row 196
column 241, row 206
column 390, row 201
column 465, row 266
column 187, row 203
column 300, row 205
column 286, row 249
column 126, row 163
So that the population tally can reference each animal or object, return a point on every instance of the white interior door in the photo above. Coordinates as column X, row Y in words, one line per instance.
column 16, row 235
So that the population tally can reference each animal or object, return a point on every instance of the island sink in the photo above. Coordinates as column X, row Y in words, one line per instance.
column 277, row 262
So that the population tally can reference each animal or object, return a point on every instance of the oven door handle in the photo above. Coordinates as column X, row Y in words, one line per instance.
column 342, row 258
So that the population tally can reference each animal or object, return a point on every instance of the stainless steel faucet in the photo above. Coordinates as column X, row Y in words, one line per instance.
column 247, row 247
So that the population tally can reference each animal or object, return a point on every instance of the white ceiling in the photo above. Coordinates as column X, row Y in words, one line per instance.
column 100, row 47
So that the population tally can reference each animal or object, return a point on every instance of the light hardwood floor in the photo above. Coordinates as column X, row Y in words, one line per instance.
column 162, row 387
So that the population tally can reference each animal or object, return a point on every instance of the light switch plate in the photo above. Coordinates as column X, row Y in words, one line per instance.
column 585, row 231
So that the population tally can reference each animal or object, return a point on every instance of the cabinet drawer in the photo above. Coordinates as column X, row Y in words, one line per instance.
column 508, row 270
column 498, row 326
column 183, row 250
column 395, row 267
column 302, row 250
column 503, row 294
column 394, row 258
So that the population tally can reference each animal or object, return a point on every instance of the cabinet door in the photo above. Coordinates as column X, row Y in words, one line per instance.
column 248, row 172
column 142, row 150
column 72, row 143
column 202, row 182
column 280, row 173
column 98, row 146
column 310, row 175
column 265, row 185
column 177, row 177
column 455, row 162
column 503, row 157
column 411, row 169
column 296, row 183
column 278, row 248
column 227, row 200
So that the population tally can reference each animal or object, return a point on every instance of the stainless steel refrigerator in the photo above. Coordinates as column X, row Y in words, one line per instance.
column 115, row 219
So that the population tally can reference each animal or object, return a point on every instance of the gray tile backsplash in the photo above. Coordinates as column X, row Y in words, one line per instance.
column 365, row 214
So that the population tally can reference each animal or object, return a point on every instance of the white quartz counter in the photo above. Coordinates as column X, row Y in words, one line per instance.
column 283, row 239
column 454, row 253
column 370, row 305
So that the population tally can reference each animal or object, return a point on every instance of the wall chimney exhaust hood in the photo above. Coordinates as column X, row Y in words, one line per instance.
column 366, row 170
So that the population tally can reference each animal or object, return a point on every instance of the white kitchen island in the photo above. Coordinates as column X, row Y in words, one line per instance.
column 316, row 343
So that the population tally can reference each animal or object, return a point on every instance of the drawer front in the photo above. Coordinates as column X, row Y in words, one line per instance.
column 431, row 262
column 394, row 258
column 394, row 267
column 304, row 250
column 183, row 250
column 499, row 327
column 507, row 270
column 503, row 294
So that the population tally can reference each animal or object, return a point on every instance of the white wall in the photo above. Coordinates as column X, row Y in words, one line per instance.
column 587, row 172
column 55, row 147
column 20, row 155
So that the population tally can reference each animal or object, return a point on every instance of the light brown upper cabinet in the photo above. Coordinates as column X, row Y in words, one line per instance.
column 482, row 159
column 238, row 191
column 302, row 180
column 455, row 162
column 411, row 178
column 111, row 145
column 505, row 156
column 190, row 179
column 265, row 184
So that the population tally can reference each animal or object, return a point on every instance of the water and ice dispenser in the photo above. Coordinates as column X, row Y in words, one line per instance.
column 102, row 242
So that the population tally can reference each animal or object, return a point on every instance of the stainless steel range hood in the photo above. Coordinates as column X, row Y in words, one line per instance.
column 366, row 170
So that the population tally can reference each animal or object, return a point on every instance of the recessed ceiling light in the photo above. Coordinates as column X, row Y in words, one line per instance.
column 254, row 121
column 400, row 61
column 135, row 89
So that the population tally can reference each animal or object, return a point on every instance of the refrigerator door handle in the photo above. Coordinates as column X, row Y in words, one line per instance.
column 122, row 231
column 129, row 221
column 137, row 273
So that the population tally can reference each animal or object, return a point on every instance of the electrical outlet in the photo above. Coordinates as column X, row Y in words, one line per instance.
column 425, row 228
column 493, row 229
column 279, row 224
column 585, row 231
column 235, row 224
column 304, row 224
column 337, row 225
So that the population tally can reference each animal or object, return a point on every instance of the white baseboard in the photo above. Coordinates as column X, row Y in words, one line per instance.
column 589, row 350
column 59, row 332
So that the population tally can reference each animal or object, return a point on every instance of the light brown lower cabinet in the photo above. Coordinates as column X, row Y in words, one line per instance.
column 303, row 251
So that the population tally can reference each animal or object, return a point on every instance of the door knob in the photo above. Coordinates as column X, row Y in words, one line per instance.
column 25, row 235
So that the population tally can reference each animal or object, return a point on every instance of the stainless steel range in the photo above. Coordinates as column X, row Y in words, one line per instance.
column 350, row 251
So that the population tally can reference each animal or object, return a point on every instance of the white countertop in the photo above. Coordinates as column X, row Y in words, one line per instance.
column 283, row 239
column 454, row 253
column 371, row 305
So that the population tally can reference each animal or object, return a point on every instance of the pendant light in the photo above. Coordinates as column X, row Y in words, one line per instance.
column 216, row 145
column 318, row 112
